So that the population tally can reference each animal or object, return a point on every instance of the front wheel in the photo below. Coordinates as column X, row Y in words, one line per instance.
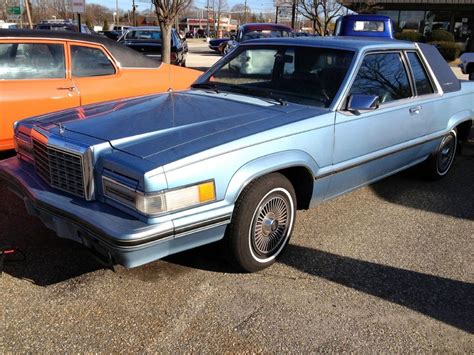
column 440, row 161
column 262, row 223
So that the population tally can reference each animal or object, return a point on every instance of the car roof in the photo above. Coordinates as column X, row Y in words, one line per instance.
column 340, row 42
column 265, row 26
column 126, row 57
column 147, row 28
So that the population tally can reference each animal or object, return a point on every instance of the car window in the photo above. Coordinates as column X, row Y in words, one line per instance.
column 257, row 34
column 422, row 83
column 307, row 75
column 88, row 61
column 21, row 61
column 383, row 75
column 143, row 34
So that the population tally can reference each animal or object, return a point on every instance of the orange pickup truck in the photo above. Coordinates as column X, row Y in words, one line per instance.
column 46, row 71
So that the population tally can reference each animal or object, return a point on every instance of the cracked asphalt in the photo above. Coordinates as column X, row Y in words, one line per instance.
column 387, row 268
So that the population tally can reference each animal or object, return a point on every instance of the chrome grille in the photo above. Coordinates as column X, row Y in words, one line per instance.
column 60, row 169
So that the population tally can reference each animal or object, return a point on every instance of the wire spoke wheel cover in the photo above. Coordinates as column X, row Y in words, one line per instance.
column 271, row 224
column 446, row 153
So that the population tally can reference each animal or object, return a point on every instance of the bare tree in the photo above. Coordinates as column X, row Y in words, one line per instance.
column 221, row 6
column 167, row 12
column 240, row 12
column 321, row 13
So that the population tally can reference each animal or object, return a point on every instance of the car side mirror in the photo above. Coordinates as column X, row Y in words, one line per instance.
column 360, row 103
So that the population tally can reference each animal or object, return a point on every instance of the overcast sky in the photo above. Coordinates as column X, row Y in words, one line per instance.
column 255, row 5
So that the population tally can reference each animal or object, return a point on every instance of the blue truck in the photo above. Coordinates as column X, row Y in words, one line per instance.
column 365, row 26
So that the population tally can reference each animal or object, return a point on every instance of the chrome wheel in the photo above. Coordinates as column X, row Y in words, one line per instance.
column 271, row 225
column 446, row 153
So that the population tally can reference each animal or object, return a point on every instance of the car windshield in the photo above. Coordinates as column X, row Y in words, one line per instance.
column 307, row 75
column 144, row 34
column 256, row 34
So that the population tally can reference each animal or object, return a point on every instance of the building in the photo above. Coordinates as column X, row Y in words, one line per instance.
column 455, row 16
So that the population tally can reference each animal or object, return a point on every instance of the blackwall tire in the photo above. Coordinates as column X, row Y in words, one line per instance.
column 262, row 223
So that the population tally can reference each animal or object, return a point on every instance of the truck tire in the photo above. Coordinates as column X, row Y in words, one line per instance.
column 262, row 223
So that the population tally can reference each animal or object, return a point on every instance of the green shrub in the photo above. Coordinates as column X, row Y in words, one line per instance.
column 411, row 36
column 440, row 36
column 449, row 50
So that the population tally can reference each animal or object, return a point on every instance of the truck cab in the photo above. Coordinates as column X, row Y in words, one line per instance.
column 364, row 26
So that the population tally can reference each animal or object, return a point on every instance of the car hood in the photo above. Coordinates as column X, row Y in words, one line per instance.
column 166, row 127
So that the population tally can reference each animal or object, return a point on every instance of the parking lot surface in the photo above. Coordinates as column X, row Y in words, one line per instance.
column 389, row 267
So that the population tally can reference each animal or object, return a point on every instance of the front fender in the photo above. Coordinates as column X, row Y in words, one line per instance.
column 265, row 165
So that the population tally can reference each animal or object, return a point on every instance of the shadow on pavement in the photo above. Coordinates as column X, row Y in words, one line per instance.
column 49, row 259
column 452, row 195
column 446, row 300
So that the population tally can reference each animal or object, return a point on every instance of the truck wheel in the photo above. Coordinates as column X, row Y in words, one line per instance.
column 262, row 223
column 440, row 161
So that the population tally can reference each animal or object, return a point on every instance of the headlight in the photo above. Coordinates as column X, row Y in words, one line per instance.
column 162, row 202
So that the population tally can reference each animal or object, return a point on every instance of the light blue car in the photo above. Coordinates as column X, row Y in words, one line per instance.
column 276, row 126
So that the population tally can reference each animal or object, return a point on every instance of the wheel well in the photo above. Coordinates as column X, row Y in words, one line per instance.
column 303, row 181
column 464, row 130
column 470, row 68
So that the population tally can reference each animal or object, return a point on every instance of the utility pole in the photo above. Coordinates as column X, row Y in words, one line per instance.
column 245, row 12
column 293, row 14
column 117, row 18
column 276, row 14
column 133, row 13
column 207, row 19
column 28, row 13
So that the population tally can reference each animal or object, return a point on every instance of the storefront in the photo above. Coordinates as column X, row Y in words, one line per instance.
column 455, row 16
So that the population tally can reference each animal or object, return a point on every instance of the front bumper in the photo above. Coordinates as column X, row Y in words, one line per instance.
column 114, row 235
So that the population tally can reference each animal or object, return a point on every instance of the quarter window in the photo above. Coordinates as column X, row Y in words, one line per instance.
column 383, row 75
column 22, row 61
column 422, row 83
column 87, row 62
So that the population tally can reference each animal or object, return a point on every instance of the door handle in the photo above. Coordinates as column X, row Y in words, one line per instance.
column 415, row 110
column 70, row 88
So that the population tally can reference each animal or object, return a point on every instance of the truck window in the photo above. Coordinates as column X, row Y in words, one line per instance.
column 384, row 75
column 422, row 83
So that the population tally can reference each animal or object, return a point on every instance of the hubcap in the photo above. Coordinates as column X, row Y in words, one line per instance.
column 271, row 225
column 446, row 154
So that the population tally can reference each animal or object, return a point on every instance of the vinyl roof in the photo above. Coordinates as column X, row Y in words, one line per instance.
column 126, row 57
column 341, row 42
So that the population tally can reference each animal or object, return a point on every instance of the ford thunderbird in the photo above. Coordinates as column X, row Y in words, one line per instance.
column 276, row 126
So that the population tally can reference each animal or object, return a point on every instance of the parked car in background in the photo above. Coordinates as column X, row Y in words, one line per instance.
column 114, row 35
column 147, row 40
column 121, row 29
column 215, row 43
column 467, row 64
column 364, row 26
column 62, row 25
column 8, row 25
column 233, row 158
column 45, row 71
column 257, row 31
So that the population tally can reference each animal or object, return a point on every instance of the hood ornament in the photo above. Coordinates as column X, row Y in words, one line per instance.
column 62, row 128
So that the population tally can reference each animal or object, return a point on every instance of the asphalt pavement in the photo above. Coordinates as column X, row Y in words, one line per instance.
column 387, row 268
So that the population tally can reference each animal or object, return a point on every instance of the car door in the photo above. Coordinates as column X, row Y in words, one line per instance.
column 375, row 143
column 95, row 74
column 34, row 80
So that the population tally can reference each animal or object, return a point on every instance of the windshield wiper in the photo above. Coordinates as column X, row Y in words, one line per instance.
column 207, row 86
column 261, row 93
